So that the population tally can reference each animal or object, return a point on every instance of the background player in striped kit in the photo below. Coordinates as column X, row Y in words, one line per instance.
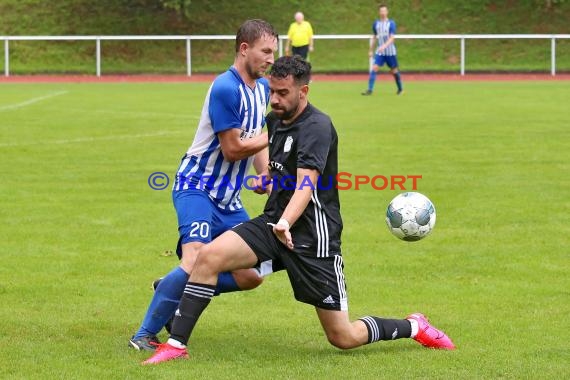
column 206, row 192
column 384, row 33
column 299, row 230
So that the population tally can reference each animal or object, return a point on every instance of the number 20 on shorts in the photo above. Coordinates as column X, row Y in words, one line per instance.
column 201, row 230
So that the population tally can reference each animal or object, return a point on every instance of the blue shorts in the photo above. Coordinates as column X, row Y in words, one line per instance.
column 200, row 220
column 390, row 60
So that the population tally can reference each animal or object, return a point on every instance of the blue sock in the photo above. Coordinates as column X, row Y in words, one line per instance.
column 164, row 302
column 398, row 80
column 371, row 80
column 226, row 284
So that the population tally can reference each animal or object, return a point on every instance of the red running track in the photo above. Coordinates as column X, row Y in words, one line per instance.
column 316, row 77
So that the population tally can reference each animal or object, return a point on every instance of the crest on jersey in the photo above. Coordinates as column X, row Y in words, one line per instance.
column 288, row 143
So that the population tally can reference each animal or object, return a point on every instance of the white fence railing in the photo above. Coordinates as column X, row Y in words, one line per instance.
column 188, row 40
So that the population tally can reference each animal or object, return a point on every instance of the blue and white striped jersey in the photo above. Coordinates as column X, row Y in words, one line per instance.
column 383, row 30
column 230, row 103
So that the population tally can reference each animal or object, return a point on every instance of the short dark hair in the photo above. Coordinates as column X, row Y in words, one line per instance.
column 252, row 30
column 382, row 6
column 295, row 66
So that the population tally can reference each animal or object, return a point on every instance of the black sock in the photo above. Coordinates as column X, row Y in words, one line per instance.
column 398, row 80
column 194, row 301
column 386, row 329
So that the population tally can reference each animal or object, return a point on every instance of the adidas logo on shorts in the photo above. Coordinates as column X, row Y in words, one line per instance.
column 328, row 300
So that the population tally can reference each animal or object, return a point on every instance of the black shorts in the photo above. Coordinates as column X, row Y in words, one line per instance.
column 318, row 281
column 303, row 51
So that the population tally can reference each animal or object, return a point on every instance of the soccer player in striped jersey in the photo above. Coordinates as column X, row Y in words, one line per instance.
column 383, row 50
column 299, row 230
column 206, row 192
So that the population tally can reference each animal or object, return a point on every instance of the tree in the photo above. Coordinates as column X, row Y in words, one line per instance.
column 182, row 7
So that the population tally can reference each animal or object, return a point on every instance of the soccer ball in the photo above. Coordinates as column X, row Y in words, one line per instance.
column 410, row 216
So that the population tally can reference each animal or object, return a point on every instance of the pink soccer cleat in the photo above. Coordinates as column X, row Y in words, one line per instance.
column 429, row 336
column 166, row 352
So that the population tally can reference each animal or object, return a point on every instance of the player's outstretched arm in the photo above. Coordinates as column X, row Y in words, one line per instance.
column 235, row 149
column 306, row 183
column 261, row 161
column 261, row 164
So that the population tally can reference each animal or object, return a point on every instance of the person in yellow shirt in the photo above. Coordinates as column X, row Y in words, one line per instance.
column 300, row 37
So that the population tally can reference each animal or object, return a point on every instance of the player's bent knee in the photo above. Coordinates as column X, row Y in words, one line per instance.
column 189, row 256
column 247, row 279
column 208, row 261
column 342, row 340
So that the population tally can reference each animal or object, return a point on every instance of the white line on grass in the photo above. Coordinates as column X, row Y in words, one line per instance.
column 133, row 113
column 91, row 139
column 149, row 114
column 31, row 101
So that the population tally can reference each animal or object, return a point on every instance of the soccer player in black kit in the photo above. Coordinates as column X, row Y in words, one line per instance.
column 299, row 230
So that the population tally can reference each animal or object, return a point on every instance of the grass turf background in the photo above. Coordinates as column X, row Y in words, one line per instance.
column 83, row 234
column 135, row 17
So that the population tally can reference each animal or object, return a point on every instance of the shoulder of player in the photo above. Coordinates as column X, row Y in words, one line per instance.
column 226, row 82
column 375, row 25
column 318, row 115
column 318, row 120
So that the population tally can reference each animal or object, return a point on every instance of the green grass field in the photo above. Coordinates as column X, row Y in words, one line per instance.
column 83, row 235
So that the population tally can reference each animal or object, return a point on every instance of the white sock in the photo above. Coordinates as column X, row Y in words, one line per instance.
column 415, row 327
column 175, row 343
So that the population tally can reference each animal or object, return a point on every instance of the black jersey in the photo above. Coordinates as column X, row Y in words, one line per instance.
column 310, row 142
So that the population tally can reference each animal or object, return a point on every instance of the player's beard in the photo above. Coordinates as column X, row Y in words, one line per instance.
column 285, row 114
